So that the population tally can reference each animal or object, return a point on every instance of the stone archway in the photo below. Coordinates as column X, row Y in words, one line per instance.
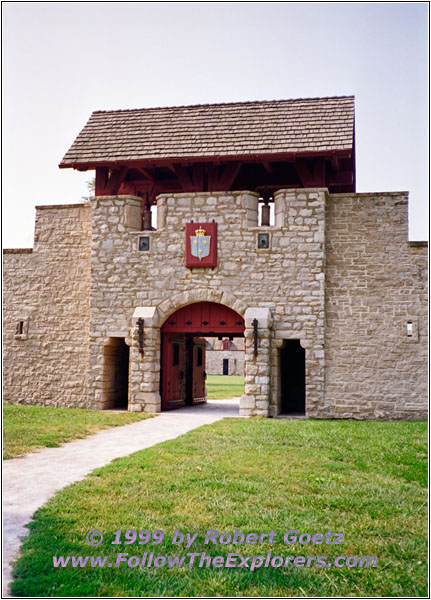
column 183, row 349
column 146, row 350
column 177, row 301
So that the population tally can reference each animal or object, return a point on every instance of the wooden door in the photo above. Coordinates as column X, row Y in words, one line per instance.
column 199, row 374
column 174, row 371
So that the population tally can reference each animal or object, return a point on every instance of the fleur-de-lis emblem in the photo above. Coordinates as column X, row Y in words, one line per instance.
column 200, row 244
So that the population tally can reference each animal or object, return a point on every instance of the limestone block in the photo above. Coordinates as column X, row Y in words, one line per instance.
column 262, row 405
column 250, row 201
column 162, row 210
column 263, row 316
column 245, row 412
column 148, row 397
column 133, row 216
column 151, row 408
column 148, row 313
column 247, row 402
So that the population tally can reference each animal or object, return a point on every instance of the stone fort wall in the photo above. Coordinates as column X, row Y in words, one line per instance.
column 339, row 275
column 47, row 289
column 376, row 283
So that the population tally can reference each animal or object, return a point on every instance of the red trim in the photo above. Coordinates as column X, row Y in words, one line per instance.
column 217, row 159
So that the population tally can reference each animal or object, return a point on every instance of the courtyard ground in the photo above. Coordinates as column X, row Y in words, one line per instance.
column 224, row 386
column 367, row 480
column 28, row 428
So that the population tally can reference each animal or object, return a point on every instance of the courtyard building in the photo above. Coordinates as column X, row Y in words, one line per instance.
column 225, row 356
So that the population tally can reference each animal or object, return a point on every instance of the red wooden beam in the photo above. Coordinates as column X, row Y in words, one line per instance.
column 319, row 172
column 213, row 171
column 183, row 178
column 340, row 178
column 268, row 167
column 198, row 177
column 315, row 178
column 169, row 184
column 115, row 181
column 101, row 180
column 227, row 178
column 145, row 173
column 304, row 173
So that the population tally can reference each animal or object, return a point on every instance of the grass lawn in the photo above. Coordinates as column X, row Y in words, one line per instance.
column 367, row 480
column 224, row 386
column 27, row 428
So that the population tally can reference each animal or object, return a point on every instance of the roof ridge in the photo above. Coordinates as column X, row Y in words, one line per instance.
column 243, row 103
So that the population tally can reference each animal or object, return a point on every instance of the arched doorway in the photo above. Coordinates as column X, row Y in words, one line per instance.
column 184, row 348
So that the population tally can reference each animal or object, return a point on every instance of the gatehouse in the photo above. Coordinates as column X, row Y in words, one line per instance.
column 229, row 222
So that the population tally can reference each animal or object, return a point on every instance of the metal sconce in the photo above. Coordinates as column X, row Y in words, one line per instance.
column 141, row 335
column 255, row 335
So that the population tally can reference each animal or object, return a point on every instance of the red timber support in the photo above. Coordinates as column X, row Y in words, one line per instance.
column 102, row 176
column 333, row 170
column 213, row 176
column 198, row 176
column 314, row 177
column 115, row 181
column 341, row 179
column 230, row 171
column 219, row 178
column 184, row 178
column 109, row 186
column 318, row 173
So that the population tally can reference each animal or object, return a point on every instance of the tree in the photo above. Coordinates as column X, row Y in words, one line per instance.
column 91, row 186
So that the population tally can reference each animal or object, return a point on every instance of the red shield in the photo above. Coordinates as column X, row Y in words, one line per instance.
column 196, row 235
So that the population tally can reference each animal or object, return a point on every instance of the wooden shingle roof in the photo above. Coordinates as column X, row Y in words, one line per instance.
column 301, row 127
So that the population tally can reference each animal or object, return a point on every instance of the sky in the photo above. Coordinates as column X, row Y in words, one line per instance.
column 63, row 60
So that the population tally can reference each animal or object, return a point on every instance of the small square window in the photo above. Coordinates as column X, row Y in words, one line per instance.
column 263, row 241
column 21, row 329
column 411, row 329
column 144, row 243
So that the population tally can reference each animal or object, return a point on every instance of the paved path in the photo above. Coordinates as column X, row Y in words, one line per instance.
column 28, row 482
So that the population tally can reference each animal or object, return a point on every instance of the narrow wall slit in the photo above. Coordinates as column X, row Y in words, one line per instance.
column 292, row 378
column 116, row 374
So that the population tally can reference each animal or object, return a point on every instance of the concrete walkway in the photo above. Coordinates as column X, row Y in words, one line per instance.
column 28, row 482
